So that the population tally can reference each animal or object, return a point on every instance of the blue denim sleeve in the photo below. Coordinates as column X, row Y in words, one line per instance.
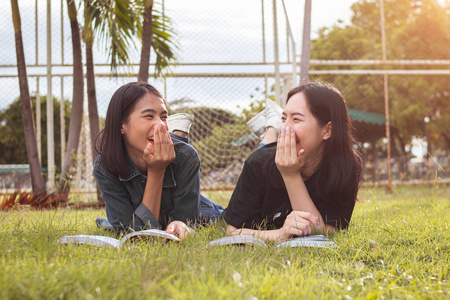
column 186, row 196
column 120, row 210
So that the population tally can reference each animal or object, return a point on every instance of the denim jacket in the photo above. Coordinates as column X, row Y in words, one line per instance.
column 180, row 198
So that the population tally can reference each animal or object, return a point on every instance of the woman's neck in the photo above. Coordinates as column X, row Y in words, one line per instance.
column 138, row 161
column 311, row 166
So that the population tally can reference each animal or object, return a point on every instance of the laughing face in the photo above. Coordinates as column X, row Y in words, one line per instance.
column 139, row 130
column 309, row 135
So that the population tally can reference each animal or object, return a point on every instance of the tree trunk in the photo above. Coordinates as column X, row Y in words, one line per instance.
column 77, row 102
column 92, row 103
column 147, row 32
column 92, row 97
column 37, row 180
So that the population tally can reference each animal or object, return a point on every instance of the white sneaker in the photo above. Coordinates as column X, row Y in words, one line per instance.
column 180, row 122
column 273, row 115
column 257, row 123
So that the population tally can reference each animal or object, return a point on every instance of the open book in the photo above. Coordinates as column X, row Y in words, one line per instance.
column 304, row 241
column 105, row 241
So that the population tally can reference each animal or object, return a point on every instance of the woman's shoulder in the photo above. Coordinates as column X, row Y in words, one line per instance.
column 98, row 163
column 100, row 167
column 260, row 156
column 100, row 171
column 184, row 151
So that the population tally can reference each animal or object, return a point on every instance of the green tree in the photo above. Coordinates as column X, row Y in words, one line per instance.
column 37, row 181
column 12, row 141
column 207, row 118
column 414, row 30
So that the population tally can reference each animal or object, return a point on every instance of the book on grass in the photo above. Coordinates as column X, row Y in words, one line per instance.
column 106, row 241
column 304, row 241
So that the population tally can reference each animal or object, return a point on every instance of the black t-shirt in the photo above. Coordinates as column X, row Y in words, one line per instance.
column 257, row 203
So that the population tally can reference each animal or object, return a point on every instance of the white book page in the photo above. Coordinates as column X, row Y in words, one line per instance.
column 149, row 233
column 94, row 240
column 299, row 242
column 237, row 240
column 318, row 237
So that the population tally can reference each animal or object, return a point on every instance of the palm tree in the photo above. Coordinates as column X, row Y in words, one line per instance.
column 146, row 41
column 88, row 38
column 37, row 180
column 114, row 21
column 77, row 101
column 156, row 32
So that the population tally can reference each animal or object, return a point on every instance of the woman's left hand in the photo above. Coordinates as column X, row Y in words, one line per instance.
column 178, row 228
column 287, row 159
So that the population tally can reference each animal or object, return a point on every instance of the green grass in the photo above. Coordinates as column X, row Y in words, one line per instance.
column 397, row 246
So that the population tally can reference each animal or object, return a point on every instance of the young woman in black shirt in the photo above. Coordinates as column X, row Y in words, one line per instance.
column 307, row 179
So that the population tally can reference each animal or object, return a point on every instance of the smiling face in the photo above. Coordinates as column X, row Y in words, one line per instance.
column 309, row 135
column 139, row 129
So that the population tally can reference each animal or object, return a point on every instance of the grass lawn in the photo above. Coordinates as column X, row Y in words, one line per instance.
column 397, row 246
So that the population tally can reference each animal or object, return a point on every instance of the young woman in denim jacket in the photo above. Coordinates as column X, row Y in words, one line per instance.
column 149, row 178
column 304, row 179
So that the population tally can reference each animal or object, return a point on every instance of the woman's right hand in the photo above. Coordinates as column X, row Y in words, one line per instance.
column 287, row 160
column 178, row 228
column 300, row 223
column 160, row 154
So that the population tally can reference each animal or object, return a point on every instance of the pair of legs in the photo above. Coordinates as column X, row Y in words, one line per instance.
column 270, row 136
column 209, row 210
column 180, row 133
column 266, row 123
column 179, row 125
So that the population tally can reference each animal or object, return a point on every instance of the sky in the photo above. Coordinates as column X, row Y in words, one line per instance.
column 227, row 31
column 208, row 31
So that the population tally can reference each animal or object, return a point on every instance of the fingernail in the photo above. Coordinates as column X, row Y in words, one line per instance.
column 302, row 152
column 318, row 227
column 282, row 130
column 292, row 130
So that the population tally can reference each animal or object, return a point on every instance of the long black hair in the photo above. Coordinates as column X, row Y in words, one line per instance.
column 122, row 104
column 338, row 175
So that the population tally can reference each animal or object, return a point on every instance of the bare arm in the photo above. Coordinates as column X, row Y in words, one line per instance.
column 263, row 234
column 297, row 223
column 153, row 192
column 157, row 158
column 301, row 201
column 290, row 163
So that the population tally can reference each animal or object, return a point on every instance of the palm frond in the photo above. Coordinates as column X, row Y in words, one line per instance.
column 163, row 43
column 117, row 23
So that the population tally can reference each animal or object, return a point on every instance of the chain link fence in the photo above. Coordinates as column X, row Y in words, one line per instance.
column 225, row 71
